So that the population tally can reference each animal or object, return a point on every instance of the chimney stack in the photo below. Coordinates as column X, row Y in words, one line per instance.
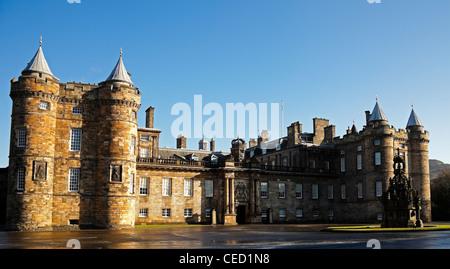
column 212, row 145
column 181, row 142
column 149, row 115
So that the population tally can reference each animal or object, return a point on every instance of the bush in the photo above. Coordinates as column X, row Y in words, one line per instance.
column 440, row 196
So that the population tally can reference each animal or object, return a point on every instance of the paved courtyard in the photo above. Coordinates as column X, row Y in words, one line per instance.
column 224, row 237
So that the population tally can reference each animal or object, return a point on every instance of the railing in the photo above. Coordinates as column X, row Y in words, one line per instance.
column 177, row 162
column 297, row 169
column 209, row 164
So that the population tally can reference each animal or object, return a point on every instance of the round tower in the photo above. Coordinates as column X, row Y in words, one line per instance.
column 378, row 156
column 419, row 170
column 32, row 146
column 118, row 102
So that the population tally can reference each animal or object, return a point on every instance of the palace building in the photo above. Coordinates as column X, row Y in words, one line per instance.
column 78, row 159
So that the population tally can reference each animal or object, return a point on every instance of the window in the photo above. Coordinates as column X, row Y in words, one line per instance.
column 299, row 213
column 131, row 187
column 285, row 161
column 44, row 105
column 144, row 153
column 376, row 142
column 207, row 213
column 214, row 159
column 263, row 213
column 315, row 213
column 342, row 164
column 379, row 216
column 377, row 158
column 166, row 212
column 298, row 191
column 145, row 138
column 264, row 190
column 330, row 214
column 188, row 187
column 143, row 186
column 188, row 212
column 282, row 213
column 281, row 190
column 315, row 191
column 343, row 192
column 21, row 137
column 312, row 164
column 143, row 212
column 166, row 187
column 133, row 145
column 21, row 179
column 326, row 165
column 358, row 148
column 330, row 191
column 209, row 188
column 359, row 161
column 74, row 179
column 133, row 114
column 360, row 190
column 378, row 188
column 77, row 110
column 75, row 139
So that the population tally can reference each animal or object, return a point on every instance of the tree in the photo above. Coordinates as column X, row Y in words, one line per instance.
column 440, row 196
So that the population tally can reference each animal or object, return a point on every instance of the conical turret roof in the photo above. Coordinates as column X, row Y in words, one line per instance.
column 119, row 73
column 38, row 62
column 377, row 114
column 413, row 119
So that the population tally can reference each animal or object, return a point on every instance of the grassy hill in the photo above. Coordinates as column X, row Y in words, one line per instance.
column 436, row 167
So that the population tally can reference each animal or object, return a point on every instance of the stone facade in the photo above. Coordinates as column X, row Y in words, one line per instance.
column 78, row 159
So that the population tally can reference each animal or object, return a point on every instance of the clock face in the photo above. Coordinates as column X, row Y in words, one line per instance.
column 241, row 155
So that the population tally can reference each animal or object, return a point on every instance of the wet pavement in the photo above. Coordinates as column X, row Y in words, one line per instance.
column 224, row 237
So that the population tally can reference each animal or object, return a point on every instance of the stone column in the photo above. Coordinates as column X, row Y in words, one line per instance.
column 230, row 215
column 232, row 204
column 226, row 196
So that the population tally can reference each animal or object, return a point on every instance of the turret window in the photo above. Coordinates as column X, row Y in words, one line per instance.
column 75, row 139
column 21, row 179
column 44, row 105
column 377, row 158
column 378, row 188
column 77, row 110
column 74, row 179
column 21, row 137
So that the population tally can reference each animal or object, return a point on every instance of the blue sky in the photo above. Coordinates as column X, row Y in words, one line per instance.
column 324, row 58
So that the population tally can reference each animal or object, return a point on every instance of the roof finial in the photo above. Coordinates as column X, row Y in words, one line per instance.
column 40, row 41
column 376, row 97
column 120, row 51
column 412, row 105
